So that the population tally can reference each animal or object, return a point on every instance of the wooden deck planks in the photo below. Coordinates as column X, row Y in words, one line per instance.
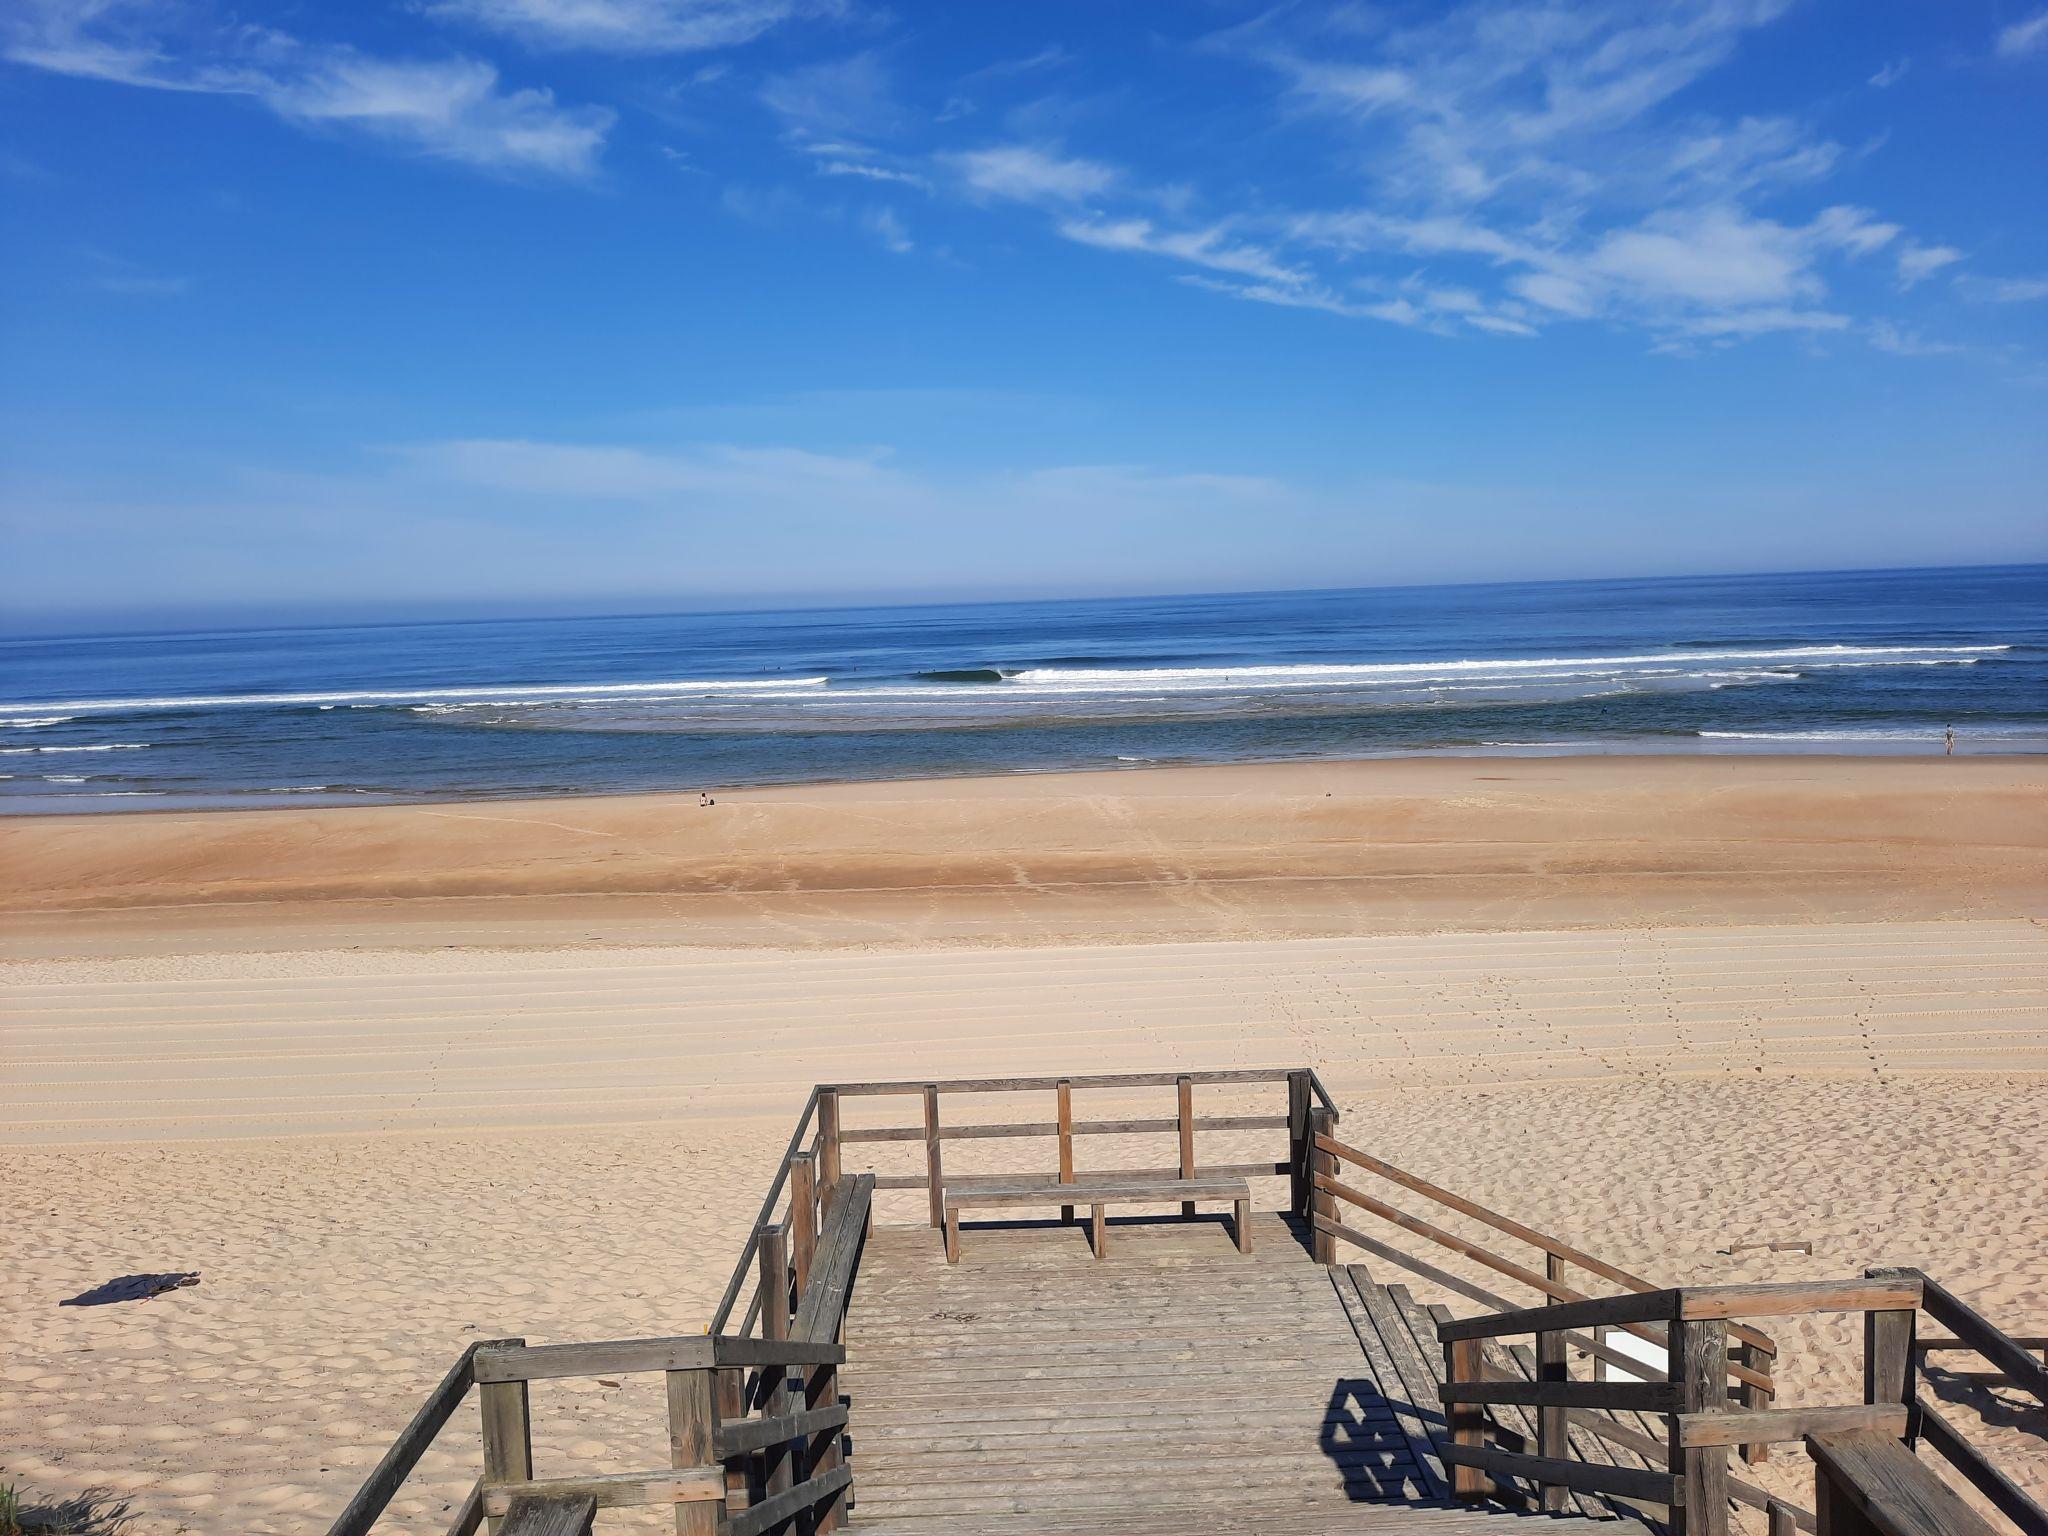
column 1175, row 1386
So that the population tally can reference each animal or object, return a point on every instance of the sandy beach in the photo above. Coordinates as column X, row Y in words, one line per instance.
column 394, row 1079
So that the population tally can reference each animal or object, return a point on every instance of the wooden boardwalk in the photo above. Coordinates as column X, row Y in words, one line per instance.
column 1032, row 1388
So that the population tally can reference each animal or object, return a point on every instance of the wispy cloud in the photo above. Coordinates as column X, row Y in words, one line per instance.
column 2024, row 37
column 887, row 227
column 452, row 109
column 629, row 26
column 853, row 97
column 1920, row 262
column 1031, row 173
column 1891, row 74
column 117, row 274
column 2003, row 290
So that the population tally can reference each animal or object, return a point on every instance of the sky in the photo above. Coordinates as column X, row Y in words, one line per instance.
column 425, row 307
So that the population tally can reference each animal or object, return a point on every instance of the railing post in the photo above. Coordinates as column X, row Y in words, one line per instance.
column 1553, row 1437
column 1467, row 1420
column 1186, row 1089
column 1889, row 1356
column 803, row 1218
column 934, row 1170
column 692, row 1442
column 1297, row 1143
column 508, row 1435
column 779, row 1469
column 1321, row 1202
column 1066, row 1130
column 829, row 1170
column 1699, row 1370
column 824, row 1452
column 1752, row 1396
column 731, row 1391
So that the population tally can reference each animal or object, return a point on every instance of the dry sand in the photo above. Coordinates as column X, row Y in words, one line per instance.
column 1722, row 1001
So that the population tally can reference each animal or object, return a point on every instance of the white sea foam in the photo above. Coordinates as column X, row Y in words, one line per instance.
column 475, row 694
column 35, row 722
column 104, row 746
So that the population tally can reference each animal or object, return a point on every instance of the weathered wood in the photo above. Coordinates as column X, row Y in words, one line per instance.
column 1553, row 1424
column 507, row 1437
column 1322, row 1173
column 1889, row 1367
column 2007, row 1354
column 1553, row 1248
column 543, row 1362
column 819, row 1315
column 1297, row 1143
column 1065, row 1127
column 1098, row 1229
column 934, row 1166
column 1656, row 1453
column 1753, row 1398
column 803, row 1218
column 1186, row 1090
column 552, row 1516
column 1798, row 1297
column 611, row 1490
column 779, row 1507
column 729, row 1389
column 1045, row 1084
column 2005, row 1495
column 1010, row 1130
column 396, row 1464
column 1161, row 1191
column 1781, row 1425
column 1781, row 1518
column 825, row 1449
column 1582, row 1476
column 829, row 1154
column 1241, row 1219
column 1051, row 1180
column 1352, row 1284
column 778, row 1472
column 1596, row 1311
column 1698, row 1369
column 692, row 1438
column 738, row 1279
column 1467, row 1424
column 1624, row 1396
column 1869, row 1482
column 758, row 1434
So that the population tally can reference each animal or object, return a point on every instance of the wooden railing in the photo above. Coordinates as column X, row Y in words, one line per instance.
column 818, row 1150
column 1751, row 1353
column 1694, row 1484
column 2009, row 1357
column 756, row 1425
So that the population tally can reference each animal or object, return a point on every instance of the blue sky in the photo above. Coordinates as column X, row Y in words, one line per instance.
column 455, row 305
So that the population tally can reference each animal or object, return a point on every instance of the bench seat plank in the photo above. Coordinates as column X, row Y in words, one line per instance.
column 1099, row 1197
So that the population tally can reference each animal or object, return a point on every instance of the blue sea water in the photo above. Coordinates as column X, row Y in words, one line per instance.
column 1857, row 662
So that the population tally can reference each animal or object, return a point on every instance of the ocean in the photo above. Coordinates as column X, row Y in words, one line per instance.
column 1845, row 662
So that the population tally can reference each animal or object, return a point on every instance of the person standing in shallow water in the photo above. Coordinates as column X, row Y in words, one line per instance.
column 1948, row 739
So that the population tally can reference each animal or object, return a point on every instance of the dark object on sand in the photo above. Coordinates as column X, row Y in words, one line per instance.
column 132, row 1288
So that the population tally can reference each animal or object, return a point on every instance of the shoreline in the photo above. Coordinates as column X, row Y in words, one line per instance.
column 1764, row 745
column 1298, row 849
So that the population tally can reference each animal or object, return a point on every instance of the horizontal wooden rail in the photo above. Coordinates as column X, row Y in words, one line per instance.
column 1777, row 1426
column 1081, row 1181
column 1167, row 1125
column 1595, row 1312
column 1657, row 1453
column 682, row 1353
column 396, row 1465
column 1552, row 1246
column 1695, row 1303
column 778, row 1508
column 1616, row 1396
column 1580, row 1476
column 613, row 1490
column 757, row 1434
column 1096, row 1080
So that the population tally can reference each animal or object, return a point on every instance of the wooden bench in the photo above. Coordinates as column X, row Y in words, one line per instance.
column 1097, row 1197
